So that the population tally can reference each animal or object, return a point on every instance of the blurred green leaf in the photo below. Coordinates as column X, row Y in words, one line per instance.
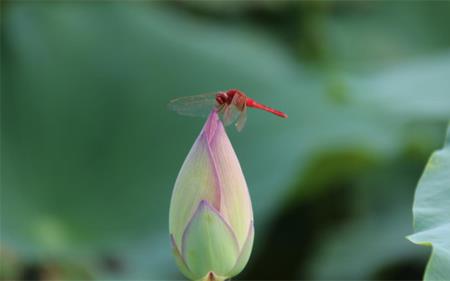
column 373, row 239
column 362, row 247
column 414, row 90
column 370, row 36
column 432, row 213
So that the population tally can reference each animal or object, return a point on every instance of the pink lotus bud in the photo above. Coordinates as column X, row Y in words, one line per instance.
column 211, row 218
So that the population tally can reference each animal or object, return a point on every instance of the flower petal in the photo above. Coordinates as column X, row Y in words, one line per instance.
column 209, row 244
column 245, row 252
column 235, row 204
column 181, row 263
column 196, row 181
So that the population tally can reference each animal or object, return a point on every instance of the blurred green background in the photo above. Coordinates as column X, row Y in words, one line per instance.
column 89, row 151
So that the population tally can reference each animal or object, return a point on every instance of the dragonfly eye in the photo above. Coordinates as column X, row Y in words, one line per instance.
column 221, row 98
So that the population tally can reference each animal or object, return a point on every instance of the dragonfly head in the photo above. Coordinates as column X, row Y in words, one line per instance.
column 222, row 98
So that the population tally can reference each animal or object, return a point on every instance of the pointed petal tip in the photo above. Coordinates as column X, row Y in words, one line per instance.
column 211, row 125
column 203, row 205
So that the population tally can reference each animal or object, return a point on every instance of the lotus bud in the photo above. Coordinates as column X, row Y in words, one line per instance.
column 211, row 217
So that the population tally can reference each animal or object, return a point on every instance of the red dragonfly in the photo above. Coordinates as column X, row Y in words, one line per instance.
column 232, row 104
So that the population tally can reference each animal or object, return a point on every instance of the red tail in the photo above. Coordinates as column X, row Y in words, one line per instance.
column 251, row 103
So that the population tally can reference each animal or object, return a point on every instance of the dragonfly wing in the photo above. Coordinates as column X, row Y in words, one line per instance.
column 230, row 114
column 199, row 105
column 242, row 119
column 227, row 115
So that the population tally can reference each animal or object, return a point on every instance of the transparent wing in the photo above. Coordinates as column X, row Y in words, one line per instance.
column 232, row 112
column 239, row 105
column 199, row 105
column 241, row 120
column 227, row 115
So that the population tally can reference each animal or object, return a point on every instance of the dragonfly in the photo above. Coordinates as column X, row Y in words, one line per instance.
column 231, row 104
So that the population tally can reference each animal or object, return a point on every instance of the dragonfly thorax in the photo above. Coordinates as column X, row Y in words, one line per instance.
column 227, row 97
